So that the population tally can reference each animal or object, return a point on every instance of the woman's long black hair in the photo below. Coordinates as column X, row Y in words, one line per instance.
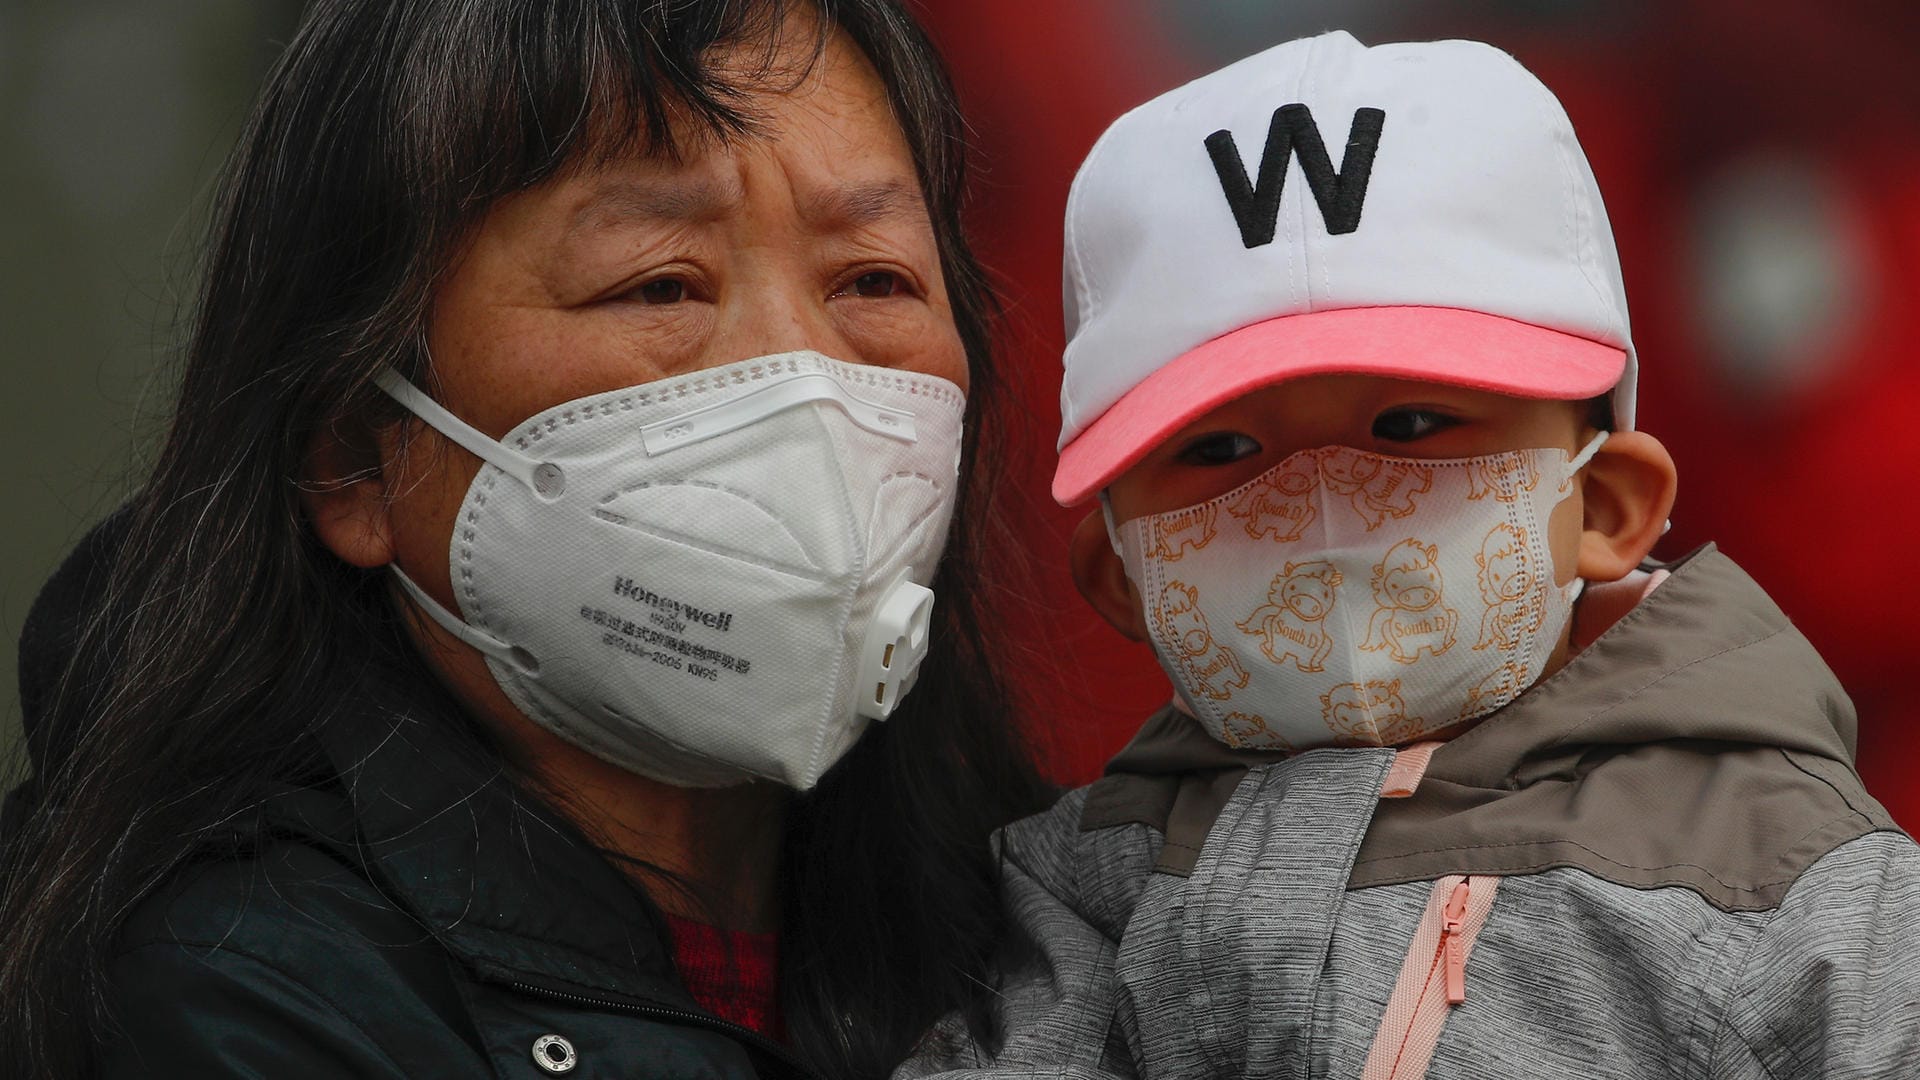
column 215, row 651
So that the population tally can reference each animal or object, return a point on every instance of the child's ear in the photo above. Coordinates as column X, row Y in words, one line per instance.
column 343, row 491
column 1102, row 578
column 1627, row 493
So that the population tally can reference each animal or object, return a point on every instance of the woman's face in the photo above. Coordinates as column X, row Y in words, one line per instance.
column 810, row 233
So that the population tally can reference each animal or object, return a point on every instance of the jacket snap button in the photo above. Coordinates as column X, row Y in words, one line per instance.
column 554, row 1054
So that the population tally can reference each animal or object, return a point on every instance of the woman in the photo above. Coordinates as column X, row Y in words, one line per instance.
column 356, row 754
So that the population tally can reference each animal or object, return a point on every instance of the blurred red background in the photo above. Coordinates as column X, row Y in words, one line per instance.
column 1761, row 165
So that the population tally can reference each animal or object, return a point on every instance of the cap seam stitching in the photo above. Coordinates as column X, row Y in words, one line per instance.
column 1545, row 105
column 1087, row 294
column 1299, row 196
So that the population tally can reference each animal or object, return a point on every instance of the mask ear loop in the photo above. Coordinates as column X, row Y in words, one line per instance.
column 1574, row 465
column 1113, row 531
column 512, row 655
column 1579, row 460
column 543, row 478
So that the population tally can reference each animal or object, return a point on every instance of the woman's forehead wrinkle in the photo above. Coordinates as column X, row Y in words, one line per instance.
column 679, row 199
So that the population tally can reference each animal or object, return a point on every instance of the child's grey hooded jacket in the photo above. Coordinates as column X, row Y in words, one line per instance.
column 1658, row 862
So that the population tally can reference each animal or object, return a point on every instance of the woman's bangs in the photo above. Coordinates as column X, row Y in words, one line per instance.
column 576, row 85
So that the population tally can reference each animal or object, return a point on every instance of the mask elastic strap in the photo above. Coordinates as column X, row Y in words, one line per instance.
column 453, row 624
column 1579, row 460
column 1574, row 465
column 543, row 478
column 1113, row 531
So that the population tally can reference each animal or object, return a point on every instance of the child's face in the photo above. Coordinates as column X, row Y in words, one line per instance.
column 1602, row 529
column 1399, row 417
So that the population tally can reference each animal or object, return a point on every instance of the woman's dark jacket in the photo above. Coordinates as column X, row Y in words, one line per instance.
column 407, row 914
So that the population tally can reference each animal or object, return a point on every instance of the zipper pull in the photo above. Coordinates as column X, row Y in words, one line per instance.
column 1455, row 953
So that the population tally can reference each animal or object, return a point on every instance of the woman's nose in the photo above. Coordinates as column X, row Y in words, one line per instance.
column 769, row 315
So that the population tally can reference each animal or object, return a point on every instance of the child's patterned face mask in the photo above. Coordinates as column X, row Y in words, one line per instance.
column 1347, row 598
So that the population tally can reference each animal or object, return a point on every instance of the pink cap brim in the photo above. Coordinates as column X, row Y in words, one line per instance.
column 1432, row 344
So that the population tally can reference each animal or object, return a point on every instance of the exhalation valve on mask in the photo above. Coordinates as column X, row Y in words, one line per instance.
column 713, row 577
column 895, row 645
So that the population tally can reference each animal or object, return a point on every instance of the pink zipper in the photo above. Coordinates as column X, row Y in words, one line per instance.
column 1452, row 948
column 1433, row 978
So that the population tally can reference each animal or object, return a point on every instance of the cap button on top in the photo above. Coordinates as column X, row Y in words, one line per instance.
column 554, row 1054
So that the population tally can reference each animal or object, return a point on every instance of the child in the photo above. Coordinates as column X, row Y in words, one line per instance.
column 1451, row 785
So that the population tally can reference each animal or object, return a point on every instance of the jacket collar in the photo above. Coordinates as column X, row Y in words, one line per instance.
column 1706, row 656
column 491, row 871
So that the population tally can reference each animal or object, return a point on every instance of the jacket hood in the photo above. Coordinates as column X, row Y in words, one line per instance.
column 1700, row 742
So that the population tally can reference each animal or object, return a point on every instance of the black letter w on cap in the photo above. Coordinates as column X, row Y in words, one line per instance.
column 1256, row 207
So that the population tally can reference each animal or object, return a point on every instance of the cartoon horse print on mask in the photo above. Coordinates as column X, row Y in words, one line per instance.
column 1174, row 533
column 1501, row 686
column 1212, row 669
column 1514, row 589
column 1280, row 505
column 1503, row 476
column 1379, row 488
column 1289, row 624
column 1369, row 714
column 1239, row 729
column 1411, row 617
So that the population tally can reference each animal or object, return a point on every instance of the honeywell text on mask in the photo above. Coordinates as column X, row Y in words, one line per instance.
column 631, row 636
column 718, row 620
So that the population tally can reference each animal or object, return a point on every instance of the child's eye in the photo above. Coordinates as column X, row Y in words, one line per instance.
column 1219, row 448
column 1409, row 424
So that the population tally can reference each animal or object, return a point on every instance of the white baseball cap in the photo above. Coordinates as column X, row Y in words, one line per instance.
column 1215, row 244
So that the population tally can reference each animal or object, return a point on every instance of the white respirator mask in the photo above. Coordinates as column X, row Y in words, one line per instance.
column 712, row 577
column 1346, row 598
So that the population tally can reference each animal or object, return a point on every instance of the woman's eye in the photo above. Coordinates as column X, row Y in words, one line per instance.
column 1407, row 425
column 874, row 284
column 662, row 291
column 1219, row 448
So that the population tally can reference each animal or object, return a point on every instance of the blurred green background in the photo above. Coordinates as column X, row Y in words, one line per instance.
column 115, row 116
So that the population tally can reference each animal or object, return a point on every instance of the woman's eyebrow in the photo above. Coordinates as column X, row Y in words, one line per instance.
column 862, row 204
column 847, row 205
